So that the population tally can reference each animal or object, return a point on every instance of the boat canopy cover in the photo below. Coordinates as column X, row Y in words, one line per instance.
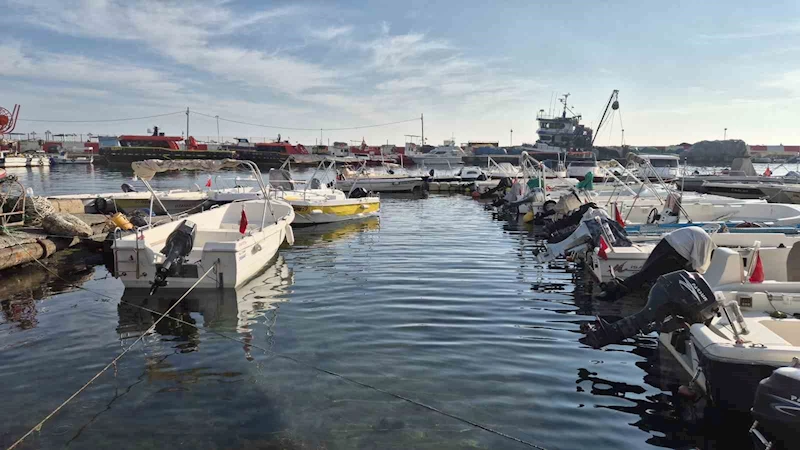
column 281, row 179
column 744, row 165
column 147, row 169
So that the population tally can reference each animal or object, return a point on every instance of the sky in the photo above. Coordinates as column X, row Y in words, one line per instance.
column 685, row 70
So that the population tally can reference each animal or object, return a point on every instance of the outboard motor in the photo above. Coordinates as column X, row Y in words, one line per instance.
column 676, row 298
column 128, row 188
column 179, row 244
column 776, row 409
column 359, row 192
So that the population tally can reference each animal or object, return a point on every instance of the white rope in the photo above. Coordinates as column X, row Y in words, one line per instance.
column 38, row 426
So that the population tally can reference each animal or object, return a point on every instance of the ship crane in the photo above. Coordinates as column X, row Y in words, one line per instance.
column 613, row 104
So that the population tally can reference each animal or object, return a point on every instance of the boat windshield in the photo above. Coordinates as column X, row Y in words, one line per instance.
column 664, row 162
column 583, row 163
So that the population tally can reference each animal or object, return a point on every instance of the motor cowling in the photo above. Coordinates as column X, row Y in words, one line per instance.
column 179, row 245
column 776, row 409
column 679, row 296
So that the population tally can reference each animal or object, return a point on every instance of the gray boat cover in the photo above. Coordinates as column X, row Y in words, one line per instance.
column 147, row 169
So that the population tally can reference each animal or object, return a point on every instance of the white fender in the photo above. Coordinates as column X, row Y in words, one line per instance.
column 289, row 234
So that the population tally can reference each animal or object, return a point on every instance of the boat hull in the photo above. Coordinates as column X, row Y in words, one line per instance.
column 332, row 212
column 236, row 258
column 384, row 184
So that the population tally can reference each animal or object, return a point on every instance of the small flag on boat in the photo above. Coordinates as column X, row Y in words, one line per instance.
column 618, row 216
column 243, row 222
column 603, row 247
column 768, row 172
column 208, row 183
column 757, row 275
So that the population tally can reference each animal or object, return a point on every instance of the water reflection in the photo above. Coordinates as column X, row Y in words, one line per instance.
column 308, row 236
column 218, row 310
column 22, row 286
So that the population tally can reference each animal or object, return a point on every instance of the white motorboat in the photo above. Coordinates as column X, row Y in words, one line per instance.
column 448, row 155
column 234, row 241
column 726, row 340
column 37, row 159
column 174, row 201
column 72, row 158
column 757, row 331
column 372, row 181
column 780, row 193
column 12, row 159
column 659, row 167
column 313, row 202
column 580, row 163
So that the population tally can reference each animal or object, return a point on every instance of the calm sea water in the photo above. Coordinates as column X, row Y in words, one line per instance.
column 436, row 300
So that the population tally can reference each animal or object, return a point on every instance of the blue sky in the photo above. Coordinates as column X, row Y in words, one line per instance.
column 476, row 69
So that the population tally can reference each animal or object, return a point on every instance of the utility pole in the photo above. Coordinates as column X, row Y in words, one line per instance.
column 422, row 122
column 187, row 122
column 725, row 134
column 218, row 138
column 511, row 139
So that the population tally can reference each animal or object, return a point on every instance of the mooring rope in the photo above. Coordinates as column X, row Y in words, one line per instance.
column 276, row 354
column 109, row 365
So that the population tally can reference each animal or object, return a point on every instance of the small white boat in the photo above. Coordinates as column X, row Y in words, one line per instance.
column 234, row 241
column 659, row 167
column 174, row 201
column 380, row 181
column 445, row 155
column 756, row 332
column 37, row 159
column 580, row 163
column 313, row 202
column 72, row 158
column 12, row 159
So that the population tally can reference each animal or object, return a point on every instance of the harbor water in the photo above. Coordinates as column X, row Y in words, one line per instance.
column 436, row 301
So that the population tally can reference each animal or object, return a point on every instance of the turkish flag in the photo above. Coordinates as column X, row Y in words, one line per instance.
column 618, row 216
column 757, row 276
column 208, row 183
column 603, row 247
column 243, row 222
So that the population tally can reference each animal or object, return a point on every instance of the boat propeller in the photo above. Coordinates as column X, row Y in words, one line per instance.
column 179, row 244
column 676, row 298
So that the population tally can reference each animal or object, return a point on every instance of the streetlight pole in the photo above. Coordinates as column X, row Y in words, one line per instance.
column 511, row 139
column 218, row 138
column 725, row 135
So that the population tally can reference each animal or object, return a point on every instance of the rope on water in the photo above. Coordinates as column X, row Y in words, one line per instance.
column 266, row 350
column 38, row 426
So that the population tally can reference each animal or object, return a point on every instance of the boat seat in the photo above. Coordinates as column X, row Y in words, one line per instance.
column 788, row 330
column 725, row 268
column 793, row 263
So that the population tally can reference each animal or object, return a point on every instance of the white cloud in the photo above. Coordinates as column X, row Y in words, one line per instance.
column 329, row 33
column 81, row 70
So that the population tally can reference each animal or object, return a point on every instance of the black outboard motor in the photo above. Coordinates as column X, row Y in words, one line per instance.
column 676, row 298
column 359, row 192
column 179, row 244
column 128, row 188
column 776, row 410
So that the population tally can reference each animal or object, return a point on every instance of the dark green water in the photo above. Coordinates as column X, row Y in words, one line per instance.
column 436, row 301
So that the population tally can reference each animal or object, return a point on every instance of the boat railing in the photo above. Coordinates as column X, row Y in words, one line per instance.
column 529, row 164
column 249, row 164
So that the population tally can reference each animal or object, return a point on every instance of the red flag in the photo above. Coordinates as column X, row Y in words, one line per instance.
column 618, row 216
column 603, row 247
column 208, row 183
column 243, row 222
column 768, row 172
column 757, row 275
